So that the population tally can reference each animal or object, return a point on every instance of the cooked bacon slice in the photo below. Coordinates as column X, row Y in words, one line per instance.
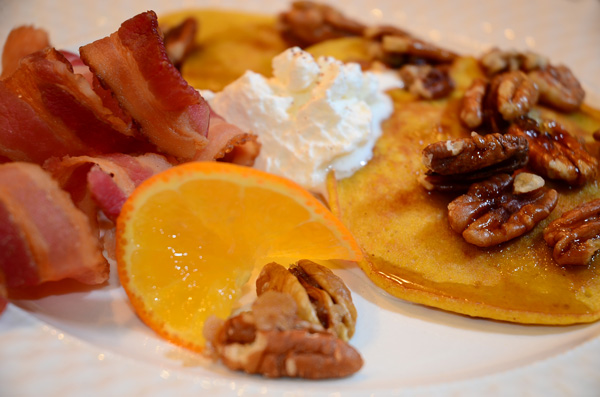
column 46, row 108
column 133, row 63
column 106, row 179
column 20, row 42
column 43, row 236
column 3, row 294
column 78, row 66
column 25, row 136
column 227, row 141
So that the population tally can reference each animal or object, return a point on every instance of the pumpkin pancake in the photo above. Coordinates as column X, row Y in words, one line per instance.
column 410, row 249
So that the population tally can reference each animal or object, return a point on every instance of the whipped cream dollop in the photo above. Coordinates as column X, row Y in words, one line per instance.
column 312, row 116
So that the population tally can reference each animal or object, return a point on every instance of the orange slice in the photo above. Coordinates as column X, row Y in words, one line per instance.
column 189, row 238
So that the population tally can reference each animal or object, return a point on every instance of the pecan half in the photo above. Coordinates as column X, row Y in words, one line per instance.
column 455, row 164
column 272, row 341
column 322, row 297
column 558, row 87
column 491, row 213
column 180, row 40
column 426, row 81
column 516, row 94
column 406, row 44
column 554, row 153
column 507, row 96
column 575, row 236
column 471, row 111
column 308, row 23
column 497, row 61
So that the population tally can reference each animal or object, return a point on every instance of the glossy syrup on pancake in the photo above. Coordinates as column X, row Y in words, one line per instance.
column 410, row 249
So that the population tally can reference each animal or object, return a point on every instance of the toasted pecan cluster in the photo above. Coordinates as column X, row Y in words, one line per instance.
column 554, row 153
column 496, row 210
column 575, row 236
column 307, row 23
column 501, row 208
column 421, row 64
column 298, row 326
column 515, row 83
column 557, row 85
column 502, row 201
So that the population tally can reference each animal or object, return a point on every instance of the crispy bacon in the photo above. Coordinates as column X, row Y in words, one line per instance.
column 133, row 63
column 20, row 42
column 227, row 141
column 43, row 236
column 3, row 293
column 49, row 110
column 106, row 180
column 78, row 66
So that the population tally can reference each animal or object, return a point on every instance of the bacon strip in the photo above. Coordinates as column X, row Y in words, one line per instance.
column 43, row 236
column 78, row 66
column 107, row 179
column 133, row 63
column 20, row 42
column 227, row 141
column 3, row 293
column 47, row 109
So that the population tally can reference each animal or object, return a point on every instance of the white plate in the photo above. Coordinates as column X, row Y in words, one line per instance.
column 91, row 343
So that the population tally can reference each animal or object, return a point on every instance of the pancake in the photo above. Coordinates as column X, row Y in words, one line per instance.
column 410, row 250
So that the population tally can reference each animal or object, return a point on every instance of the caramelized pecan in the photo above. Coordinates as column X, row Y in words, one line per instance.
column 507, row 96
column 308, row 23
column 471, row 112
column 575, row 236
column 455, row 164
column 322, row 297
column 379, row 32
column 491, row 212
column 426, row 81
column 554, row 153
column 497, row 61
column 516, row 95
column 180, row 40
column 281, row 344
column 406, row 44
column 558, row 87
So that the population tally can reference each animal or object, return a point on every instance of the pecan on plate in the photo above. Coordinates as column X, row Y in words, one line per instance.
column 426, row 81
column 498, row 61
column 471, row 108
column 308, row 23
column 322, row 297
column 417, row 48
column 558, row 87
column 453, row 165
column 180, row 40
column 554, row 153
column 507, row 96
column 272, row 341
column 395, row 47
column 493, row 211
column 516, row 94
column 575, row 236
